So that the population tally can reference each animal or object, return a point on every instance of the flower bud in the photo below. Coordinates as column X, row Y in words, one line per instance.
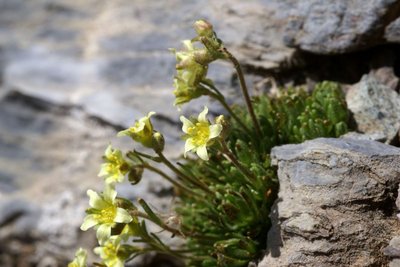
column 135, row 174
column 203, row 28
column 158, row 142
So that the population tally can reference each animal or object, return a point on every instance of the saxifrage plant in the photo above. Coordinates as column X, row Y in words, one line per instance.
column 224, row 196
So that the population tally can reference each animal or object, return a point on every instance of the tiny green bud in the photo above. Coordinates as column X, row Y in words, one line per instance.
column 135, row 174
column 203, row 28
column 158, row 142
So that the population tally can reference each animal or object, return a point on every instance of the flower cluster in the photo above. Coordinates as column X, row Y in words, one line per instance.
column 190, row 81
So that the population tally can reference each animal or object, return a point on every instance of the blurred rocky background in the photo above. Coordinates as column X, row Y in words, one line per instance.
column 74, row 73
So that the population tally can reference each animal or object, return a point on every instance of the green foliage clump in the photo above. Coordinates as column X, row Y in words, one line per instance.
column 231, row 224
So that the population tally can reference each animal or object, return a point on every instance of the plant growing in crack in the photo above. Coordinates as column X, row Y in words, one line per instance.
column 225, row 195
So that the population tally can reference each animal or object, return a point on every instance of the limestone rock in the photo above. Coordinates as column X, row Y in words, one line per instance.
column 335, row 206
column 375, row 107
column 340, row 26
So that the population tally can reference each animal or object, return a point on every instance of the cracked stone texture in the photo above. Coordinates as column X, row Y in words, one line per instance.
column 335, row 206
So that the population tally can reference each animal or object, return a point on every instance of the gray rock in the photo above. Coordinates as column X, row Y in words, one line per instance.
column 334, row 206
column 18, row 218
column 339, row 26
column 393, row 250
column 375, row 107
column 392, row 31
column 395, row 263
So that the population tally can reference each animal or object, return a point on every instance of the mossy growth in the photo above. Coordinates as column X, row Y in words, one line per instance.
column 229, row 227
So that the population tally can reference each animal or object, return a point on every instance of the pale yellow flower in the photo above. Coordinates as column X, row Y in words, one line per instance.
column 142, row 131
column 108, row 252
column 115, row 167
column 190, row 72
column 104, row 214
column 199, row 134
column 80, row 259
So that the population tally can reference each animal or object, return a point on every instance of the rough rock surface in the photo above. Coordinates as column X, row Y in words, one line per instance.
column 336, row 203
column 340, row 26
column 375, row 108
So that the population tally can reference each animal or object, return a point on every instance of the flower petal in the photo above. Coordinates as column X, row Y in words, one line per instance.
column 215, row 130
column 118, row 263
column 189, row 146
column 151, row 113
column 202, row 115
column 202, row 152
column 88, row 222
column 99, row 251
column 103, row 170
column 95, row 201
column 108, row 151
column 116, row 178
column 188, row 44
column 139, row 126
column 109, row 193
column 122, row 216
column 186, row 124
column 103, row 233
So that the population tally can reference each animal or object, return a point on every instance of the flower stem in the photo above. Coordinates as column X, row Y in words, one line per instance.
column 175, row 183
column 245, row 91
column 138, row 213
column 181, row 174
column 221, row 99
column 228, row 153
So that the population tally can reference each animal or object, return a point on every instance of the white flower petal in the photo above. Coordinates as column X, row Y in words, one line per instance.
column 95, row 201
column 117, row 178
column 103, row 233
column 139, row 126
column 151, row 113
column 103, row 170
column 108, row 151
column 119, row 263
column 109, row 193
column 186, row 124
column 202, row 152
column 202, row 115
column 215, row 130
column 122, row 216
column 188, row 44
column 189, row 146
column 88, row 222
column 99, row 251
column 125, row 132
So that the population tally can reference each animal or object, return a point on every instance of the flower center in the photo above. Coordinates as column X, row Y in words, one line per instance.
column 200, row 133
column 110, row 251
column 107, row 215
